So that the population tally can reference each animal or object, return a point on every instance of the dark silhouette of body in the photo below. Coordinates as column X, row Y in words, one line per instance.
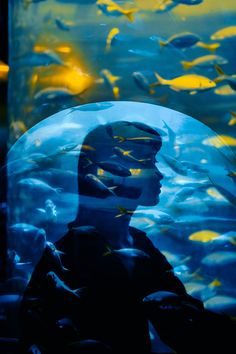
column 91, row 293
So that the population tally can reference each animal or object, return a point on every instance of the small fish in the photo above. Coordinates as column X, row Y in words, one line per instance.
column 188, row 2
column 181, row 40
column 53, row 94
column 221, row 303
column 183, row 194
column 63, row 25
column 205, row 61
column 175, row 165
column 158, row 216
column 110, row 81
column 220, row 258
column 191, row 83
column 220, row 141
column 142, row 82
column 232, row 174
column 146, row 140
column 48, row 57
column 204, row 236
column 34, row 184
column 128, row 252
column 222, row 76
column 185, row 40
column 147, row 129
column 18, row 128
column 224, row 33
column 92, row 185
column 40, row 159
column 194, row 167
column 4, row 70
column 164, row 6
column 114, row 168
column 225, row 90
column 142, row 53
column 110, row 38
column 126, row 154
column 111, row 8
column 231, row 197
column 52, row 252
column 123, row 211
column 100, row 106
column 232, row 121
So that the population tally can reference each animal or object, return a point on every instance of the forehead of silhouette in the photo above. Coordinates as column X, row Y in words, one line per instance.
column 126, row 142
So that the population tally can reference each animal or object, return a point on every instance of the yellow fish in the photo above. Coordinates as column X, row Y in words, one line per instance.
column 223, row 33
column 111, row 8
column 214, row 283
column 71, row 78
column 214, row 193
column 204, row 61
column 204, row 236
column 232, row 174
column 225, row 90
column 113, row 32
column 220, row 140
column 212, row 46
column 191, row 83
column 18, row 128
column 4, row 69
column 123, row 211
column 232, row 121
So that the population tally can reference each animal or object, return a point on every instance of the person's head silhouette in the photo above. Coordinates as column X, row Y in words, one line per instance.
column 117, row 172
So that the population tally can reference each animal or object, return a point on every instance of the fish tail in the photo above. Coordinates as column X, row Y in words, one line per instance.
column 130, row 15
column 212, row 47
column 162, row 43
column 219, row 70
column 116, row 92
column 161, row 81
column 186, row 64
column 108, row 47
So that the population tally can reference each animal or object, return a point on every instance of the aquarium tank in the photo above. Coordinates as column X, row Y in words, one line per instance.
column 103, row 96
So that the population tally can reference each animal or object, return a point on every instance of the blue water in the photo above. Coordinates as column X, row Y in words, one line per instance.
column 136, row 50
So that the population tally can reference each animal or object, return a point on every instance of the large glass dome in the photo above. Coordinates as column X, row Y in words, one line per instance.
column 193, row 224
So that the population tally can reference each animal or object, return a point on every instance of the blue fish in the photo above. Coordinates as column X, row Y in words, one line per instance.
column 114, row 168
column 188, row 2
column 38, row 59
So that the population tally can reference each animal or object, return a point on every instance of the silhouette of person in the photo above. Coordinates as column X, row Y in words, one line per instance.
column 90, row 292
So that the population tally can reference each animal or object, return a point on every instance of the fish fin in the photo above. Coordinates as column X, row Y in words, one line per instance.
column 154, row 84
column 175, row 89
column 219, row 70
column 120, row 138
column 151, row 91
column 41, row 210
column 162, row 43
column 233, row 114
column 108, row 252
column 193, row 92
column 186, row 64
column 161, row 81
column 130, row 14
column 113, row 187
column 58, row 190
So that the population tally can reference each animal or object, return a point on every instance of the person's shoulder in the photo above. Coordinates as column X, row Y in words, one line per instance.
column 140, row 238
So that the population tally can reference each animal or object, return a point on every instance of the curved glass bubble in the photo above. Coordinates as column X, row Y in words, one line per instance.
column 193, row 224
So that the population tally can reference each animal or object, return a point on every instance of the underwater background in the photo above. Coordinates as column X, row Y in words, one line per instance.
column 71, row 53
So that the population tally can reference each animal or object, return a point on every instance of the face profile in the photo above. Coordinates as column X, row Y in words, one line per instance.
column 117, row 164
